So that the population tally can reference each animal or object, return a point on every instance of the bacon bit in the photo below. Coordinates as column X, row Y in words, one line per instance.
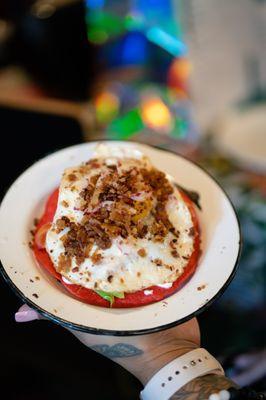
column 35, row 295
column 37, row 278
column 62, row 223
column 96, row 257
column 64, row 203
column 185, row 257
column 103, row 242
column 201, row 287
column 35, row 221
column 142, row 252
column 110, row 278
column 95, row 285
column 174, row 232
column 75, row 269
column 31, row 280
column 72, row 177
column 175, row 253
column 158, row 262
column 169, row 267
column 191, row 231
column 86, row 193
column 122, row 280
column 95, row 164
column 142, row 232
column 138, row 274
column 30, row 245
column 112, row 167
column 94, row 179
column 64, row 263
column 172, row 243
column 88, row 250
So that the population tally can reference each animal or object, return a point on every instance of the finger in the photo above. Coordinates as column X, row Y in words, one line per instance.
column 26, row 314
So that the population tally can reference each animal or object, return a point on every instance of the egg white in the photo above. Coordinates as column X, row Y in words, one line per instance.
column 130, row 271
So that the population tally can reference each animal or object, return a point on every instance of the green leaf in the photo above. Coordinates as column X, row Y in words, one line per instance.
column 120, row 295
column 110, row 296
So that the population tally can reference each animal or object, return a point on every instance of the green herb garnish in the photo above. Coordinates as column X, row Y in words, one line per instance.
column 110, row 296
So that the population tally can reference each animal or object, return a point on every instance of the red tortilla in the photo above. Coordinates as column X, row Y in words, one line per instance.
column 131, row 299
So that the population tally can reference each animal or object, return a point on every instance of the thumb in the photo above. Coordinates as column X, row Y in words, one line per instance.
column 26, row 314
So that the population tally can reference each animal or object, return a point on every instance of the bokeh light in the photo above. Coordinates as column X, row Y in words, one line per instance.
column 156, row 115
column 125, row 126
column 178, row 75
column 107, row 106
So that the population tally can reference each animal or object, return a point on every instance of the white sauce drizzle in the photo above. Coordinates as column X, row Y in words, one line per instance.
column 66, row 280
column 165, row 285
column 148, row 292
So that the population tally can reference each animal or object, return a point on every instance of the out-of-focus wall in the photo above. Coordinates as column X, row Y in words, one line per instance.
column 227, row 46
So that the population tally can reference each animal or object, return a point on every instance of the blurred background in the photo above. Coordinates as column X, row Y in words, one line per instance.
column 184, row 75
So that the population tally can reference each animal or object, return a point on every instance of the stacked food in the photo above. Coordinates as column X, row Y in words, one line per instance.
column 118, row 232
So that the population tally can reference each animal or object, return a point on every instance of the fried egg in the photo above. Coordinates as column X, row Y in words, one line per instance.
column 129, row 263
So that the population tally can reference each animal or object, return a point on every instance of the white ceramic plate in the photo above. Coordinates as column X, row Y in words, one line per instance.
column 25, row 200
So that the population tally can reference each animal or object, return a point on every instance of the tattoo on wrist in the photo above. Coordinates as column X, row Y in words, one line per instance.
column 202, row 388
column 118, row 350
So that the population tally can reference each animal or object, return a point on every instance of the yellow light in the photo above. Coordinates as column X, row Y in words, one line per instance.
column 156, row 115
column 107, row 105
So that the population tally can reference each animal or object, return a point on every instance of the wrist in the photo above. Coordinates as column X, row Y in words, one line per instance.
column 152, row 360
column 154, row 365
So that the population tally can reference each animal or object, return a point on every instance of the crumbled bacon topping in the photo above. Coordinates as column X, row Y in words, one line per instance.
column 191, row 231
column 142, row 252
column 96, row 257
column 175, row 253
column 72, row 177
column 158, row 262
column 62, row 223
column 173, row 243
column 117, row 203
column 64, row 263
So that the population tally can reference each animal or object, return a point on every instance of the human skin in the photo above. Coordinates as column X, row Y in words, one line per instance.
column 144, row 355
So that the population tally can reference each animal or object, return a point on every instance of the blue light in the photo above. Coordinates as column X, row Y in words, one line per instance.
column 169, row 43
column 134, row 49
column 95, row 3
column 153, row 8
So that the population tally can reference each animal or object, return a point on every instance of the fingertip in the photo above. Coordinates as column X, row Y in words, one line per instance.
column 26, row 314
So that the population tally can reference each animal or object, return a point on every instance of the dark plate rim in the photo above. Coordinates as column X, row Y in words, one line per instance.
column 86, row 329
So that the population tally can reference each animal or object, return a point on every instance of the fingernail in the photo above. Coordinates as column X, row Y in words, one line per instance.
column 26, row 314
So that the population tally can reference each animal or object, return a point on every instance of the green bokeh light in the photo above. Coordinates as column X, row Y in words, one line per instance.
column 126, row 126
